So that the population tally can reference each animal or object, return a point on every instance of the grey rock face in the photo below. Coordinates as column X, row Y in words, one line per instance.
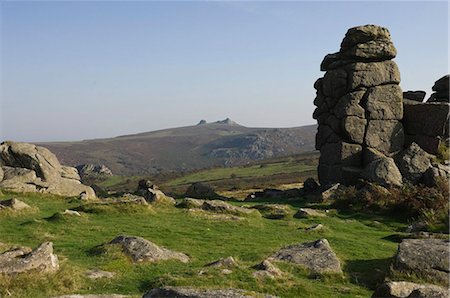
column 316, row 256
column 435, row 172
column 23, row 260
column 403, row 289
column 142, row 250
column 30, row 168
column 188, row 292
column 413, row 163
column 359, row 104
column 427, row 258
column 93, row 171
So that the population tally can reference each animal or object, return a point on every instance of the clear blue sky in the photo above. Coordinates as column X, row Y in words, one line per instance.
column 79, row 70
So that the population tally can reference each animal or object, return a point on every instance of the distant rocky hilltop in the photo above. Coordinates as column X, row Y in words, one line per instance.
column 220, row 143
column 366, row 129
column 28, row 168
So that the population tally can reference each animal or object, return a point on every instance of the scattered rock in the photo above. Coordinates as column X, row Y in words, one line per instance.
column 331, row 191
column 23, row 260
column 96, row 274
column 189, row 203
column 30, row 168
column 142, row 250
column 418, row 226
column 317, row 227
column 267, row 269
column 403, row 289
column 201, row 191
column 273, row 211
column 316, row 256
column 14, row 204
column 426, row 258
column 308, row 212
column 152, row 194
column 227, row 262
column 413, row 163
column 223, row 207
column 189, row 292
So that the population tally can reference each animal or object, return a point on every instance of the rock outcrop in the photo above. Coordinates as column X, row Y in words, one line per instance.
column 418, row 96
column 142, row 250
column 426, row 258
column 359, row 105
column 422, row 128
column 23, row 259
column 29, row 168
column 91, row 171
column 316, row 256
column 13, row 204
column 188, row 292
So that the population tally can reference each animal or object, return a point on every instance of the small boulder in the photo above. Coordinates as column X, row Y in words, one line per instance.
column 403, row 289
column 316, row 256
column 331, row 191
column 273, row 211
column 315, row 228
column 23, row 260
column 71, row 212
column 414, row 95
column 96, row 274
column 267, row 269
column 142, row 250
column 223, row 207
column 426, row 258
column 200, row 190
column 14, row 204
column 434, row 173
column 308, row 212
column 189, row 292
column 227, row 262
column 152, row 194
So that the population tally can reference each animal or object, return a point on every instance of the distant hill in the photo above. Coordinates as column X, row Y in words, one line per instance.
column 221, row 143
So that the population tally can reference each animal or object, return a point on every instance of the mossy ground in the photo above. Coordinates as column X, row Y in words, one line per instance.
column 365, row 245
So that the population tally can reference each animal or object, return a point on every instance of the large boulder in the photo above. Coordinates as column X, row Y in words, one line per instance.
column 413, row 163
column 441, row 90
column 426, row 258
column 142, row 250
column 189, row 292
column 91, row 171
column 30, row 168
column 21, row 260
column 403, row 289
column 316, row 256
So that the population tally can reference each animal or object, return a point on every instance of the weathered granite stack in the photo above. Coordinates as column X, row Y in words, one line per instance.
column 359, row 108
column 427, row 124
column 29, row 168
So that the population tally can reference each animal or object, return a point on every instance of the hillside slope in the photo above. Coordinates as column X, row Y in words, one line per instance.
column 222, row 143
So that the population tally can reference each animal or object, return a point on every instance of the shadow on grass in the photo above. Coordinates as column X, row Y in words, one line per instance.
column 368, row 273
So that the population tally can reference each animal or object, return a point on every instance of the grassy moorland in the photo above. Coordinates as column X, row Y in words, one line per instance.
column 364, row 244
column 268, row 173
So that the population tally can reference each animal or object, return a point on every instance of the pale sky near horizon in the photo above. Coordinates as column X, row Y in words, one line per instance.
column 81, row 70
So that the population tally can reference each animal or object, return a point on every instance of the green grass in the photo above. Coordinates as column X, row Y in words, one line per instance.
column 363, row 245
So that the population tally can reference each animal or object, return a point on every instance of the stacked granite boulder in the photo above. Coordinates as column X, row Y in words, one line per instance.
column 427, row 124
column 359, row 108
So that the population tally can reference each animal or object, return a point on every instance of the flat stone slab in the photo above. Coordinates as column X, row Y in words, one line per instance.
column 188, row 292
column 316, row 256
column 142, row 250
